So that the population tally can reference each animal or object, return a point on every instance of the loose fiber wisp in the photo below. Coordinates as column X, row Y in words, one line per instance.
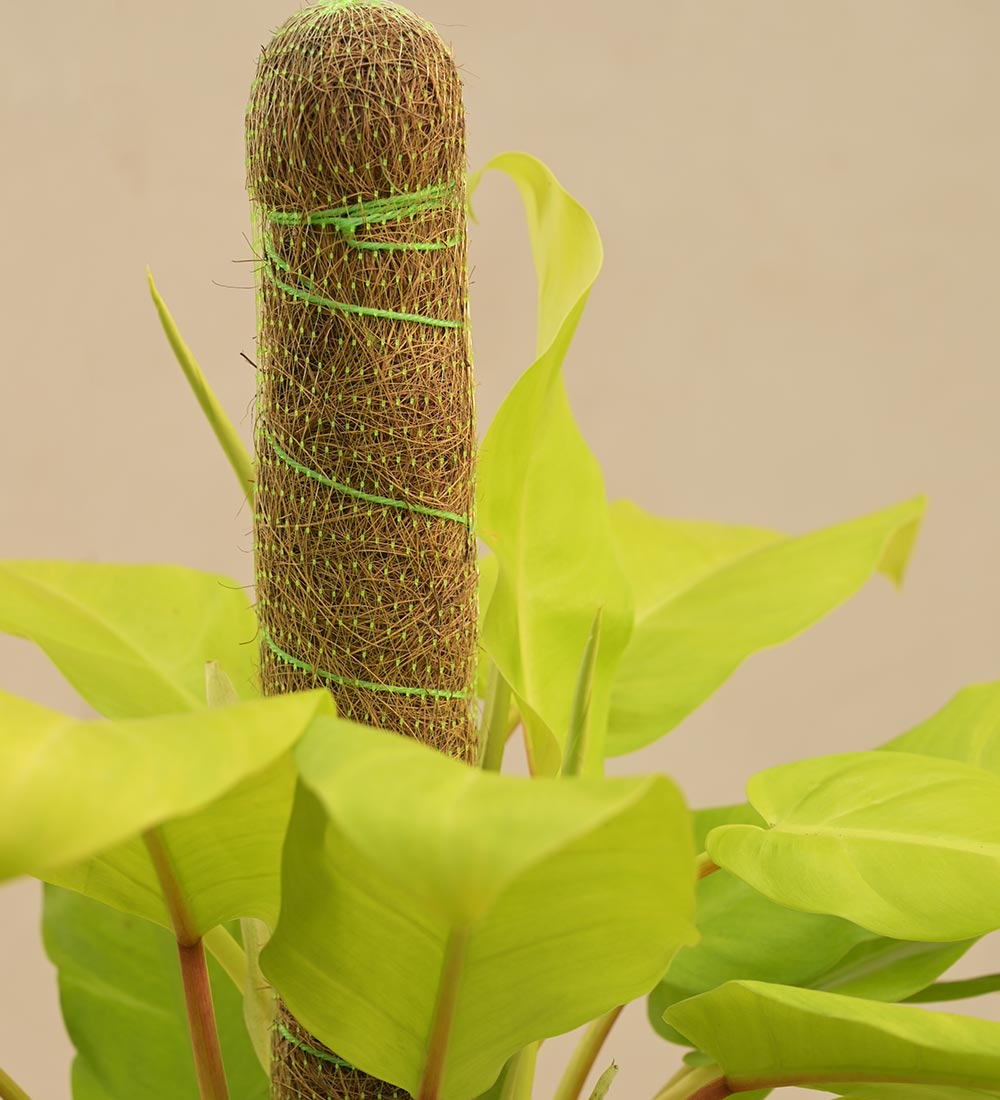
column 365, row 551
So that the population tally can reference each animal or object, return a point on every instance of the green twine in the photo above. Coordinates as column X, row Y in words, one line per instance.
column 342, row 307
column 371, row 498
column 347, row 220
column 322, row 1055
column 370, row 685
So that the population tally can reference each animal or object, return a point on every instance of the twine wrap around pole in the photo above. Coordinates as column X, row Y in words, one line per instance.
column 365, row 552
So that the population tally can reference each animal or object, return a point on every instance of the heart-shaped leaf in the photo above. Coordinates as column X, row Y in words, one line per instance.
column 132, row 639
column 906, row 846
column 436, row 918
column 75, row 798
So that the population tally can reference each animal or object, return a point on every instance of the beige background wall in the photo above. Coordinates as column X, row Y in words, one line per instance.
column 798, row 322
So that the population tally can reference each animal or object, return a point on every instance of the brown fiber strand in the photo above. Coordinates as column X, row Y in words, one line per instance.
column 356, row 103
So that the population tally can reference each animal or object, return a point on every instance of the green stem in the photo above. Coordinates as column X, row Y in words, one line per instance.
column 704, row 866
column 444, row 1013
column 258, row 994
column 520, row 1076
column 684, row 1071
column 703, row 1083
column 576, row 739
column 194, row 975
column 242, row 967
column 587, row 1050
column 493, row 738
column 10, row 1089
column 228, row 954
column 242, row 963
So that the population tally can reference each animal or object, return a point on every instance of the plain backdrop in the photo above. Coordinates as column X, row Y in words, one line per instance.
column 797, row 323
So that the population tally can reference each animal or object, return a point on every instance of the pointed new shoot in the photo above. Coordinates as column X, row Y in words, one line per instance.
column 604, row 1082
column 493, row 733
column 220, row 423
column 576, row 742
column 10, row 1090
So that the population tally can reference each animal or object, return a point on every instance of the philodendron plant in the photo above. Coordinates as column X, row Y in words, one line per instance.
column 432, row 923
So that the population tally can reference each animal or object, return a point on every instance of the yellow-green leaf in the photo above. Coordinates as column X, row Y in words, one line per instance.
column 132, row 639
column 541, row 500
column 723, row 594
column 906, row 846
column 76, row 796
column 527, row 907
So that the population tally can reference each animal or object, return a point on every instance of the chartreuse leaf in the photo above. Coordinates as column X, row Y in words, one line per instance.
column 132, row 639
column 662, row 557
column 746, row 935
column 541, row 500
column 711, row 817
column 123, row 1004
column 906, row 846
column 967, row 728
column 437, row 918
column 219, row 422
column 724, row 594
column 769, row 1035
column 75, row 798
column 487, row 583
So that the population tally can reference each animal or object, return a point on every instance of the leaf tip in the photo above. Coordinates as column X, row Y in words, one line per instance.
column 898, row 550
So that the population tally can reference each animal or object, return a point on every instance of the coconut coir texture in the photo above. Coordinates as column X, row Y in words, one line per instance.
column 365, row 552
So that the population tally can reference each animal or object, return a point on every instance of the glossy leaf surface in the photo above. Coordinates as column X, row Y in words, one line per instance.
column 568, row 895
column 132, row 639
column 906, row 846
column 541, row 500
column 722, row 594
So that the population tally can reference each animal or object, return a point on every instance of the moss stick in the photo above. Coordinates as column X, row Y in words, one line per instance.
column 365, row 556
